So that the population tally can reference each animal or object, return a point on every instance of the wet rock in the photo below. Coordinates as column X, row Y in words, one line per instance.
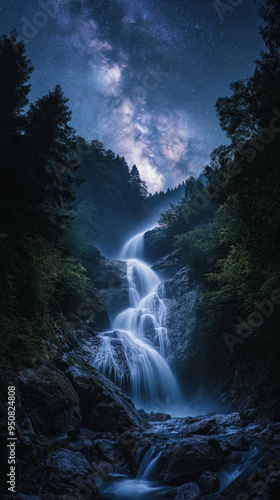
column 185, row 459
column 126, row 444
column 189, row 491
column 104, row 407
column 169, row 264
column 157, row 417
column 253, row 428
column 179, row 307
column 227, row 420
column 209, row 482
column 101, row 471
column 143, row 414
column 111, row 280
column 237, row 442
column 105, row 449
column 83, row 442
column 138, row 454
column 247, row 416
column 202, row 428
column 51, row 402
column 63, row 472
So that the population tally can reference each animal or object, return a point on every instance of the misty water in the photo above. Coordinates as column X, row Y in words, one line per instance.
column 134, row 355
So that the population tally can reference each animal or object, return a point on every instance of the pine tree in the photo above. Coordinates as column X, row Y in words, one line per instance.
column 138, row 193
column 51, row 142
column 15, row 71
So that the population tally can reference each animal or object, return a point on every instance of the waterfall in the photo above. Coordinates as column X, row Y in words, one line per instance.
column 148, row 464
column 134, row 248
column 134, row 353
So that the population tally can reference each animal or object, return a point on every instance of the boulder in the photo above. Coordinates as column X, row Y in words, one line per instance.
column 227, row 420
column 105, row 448
column 185, row 459
column 237, row 442
column 138, row 453
column 126, row 443
column 188, row 491
column 202, row 428
column 50, row 400
column 209, row 482
column 83, row 442
column 63, row 472
column 104, row 407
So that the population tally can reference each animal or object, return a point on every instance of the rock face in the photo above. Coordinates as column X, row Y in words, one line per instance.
column 54, row 402
column 169, row 265
column 179, row 313
column 189, row 491
column 112, row 284
column 103, row 405
column 74, row 414
column 185, row 459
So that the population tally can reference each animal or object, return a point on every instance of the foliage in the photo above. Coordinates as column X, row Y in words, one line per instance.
column 231, row 242
column 48, row 251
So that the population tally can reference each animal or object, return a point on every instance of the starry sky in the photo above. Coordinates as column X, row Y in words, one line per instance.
column 142, row 76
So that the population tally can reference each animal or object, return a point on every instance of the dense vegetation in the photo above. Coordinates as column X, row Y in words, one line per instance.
column 51, row 220
column 64, row 199
column 227, row 232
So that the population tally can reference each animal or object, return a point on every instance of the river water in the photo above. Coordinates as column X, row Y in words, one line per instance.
column 134, row 355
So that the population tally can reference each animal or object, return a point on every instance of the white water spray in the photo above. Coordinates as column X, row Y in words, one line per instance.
column 134, row 353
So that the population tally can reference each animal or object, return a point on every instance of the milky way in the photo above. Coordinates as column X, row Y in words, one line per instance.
column 142, row 76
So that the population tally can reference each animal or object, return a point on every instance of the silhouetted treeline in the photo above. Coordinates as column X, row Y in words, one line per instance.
column 48, row 235
column 227, row 232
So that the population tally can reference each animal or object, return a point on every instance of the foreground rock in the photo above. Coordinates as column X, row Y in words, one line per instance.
column 202, row 428
column 103, row 405
column 50, row 399
column 62, row 473
column 189, row 491
column 185, row 459
column 73, row 414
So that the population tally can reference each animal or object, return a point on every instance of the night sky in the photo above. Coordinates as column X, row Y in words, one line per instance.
column 142, row 76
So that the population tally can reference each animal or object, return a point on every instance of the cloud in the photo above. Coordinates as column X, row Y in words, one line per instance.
column 174, row 134
column 130, row 83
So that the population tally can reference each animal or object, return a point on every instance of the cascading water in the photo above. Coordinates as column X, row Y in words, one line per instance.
column 134, row 353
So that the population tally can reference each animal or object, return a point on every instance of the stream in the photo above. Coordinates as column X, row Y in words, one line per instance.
column 134, row 356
